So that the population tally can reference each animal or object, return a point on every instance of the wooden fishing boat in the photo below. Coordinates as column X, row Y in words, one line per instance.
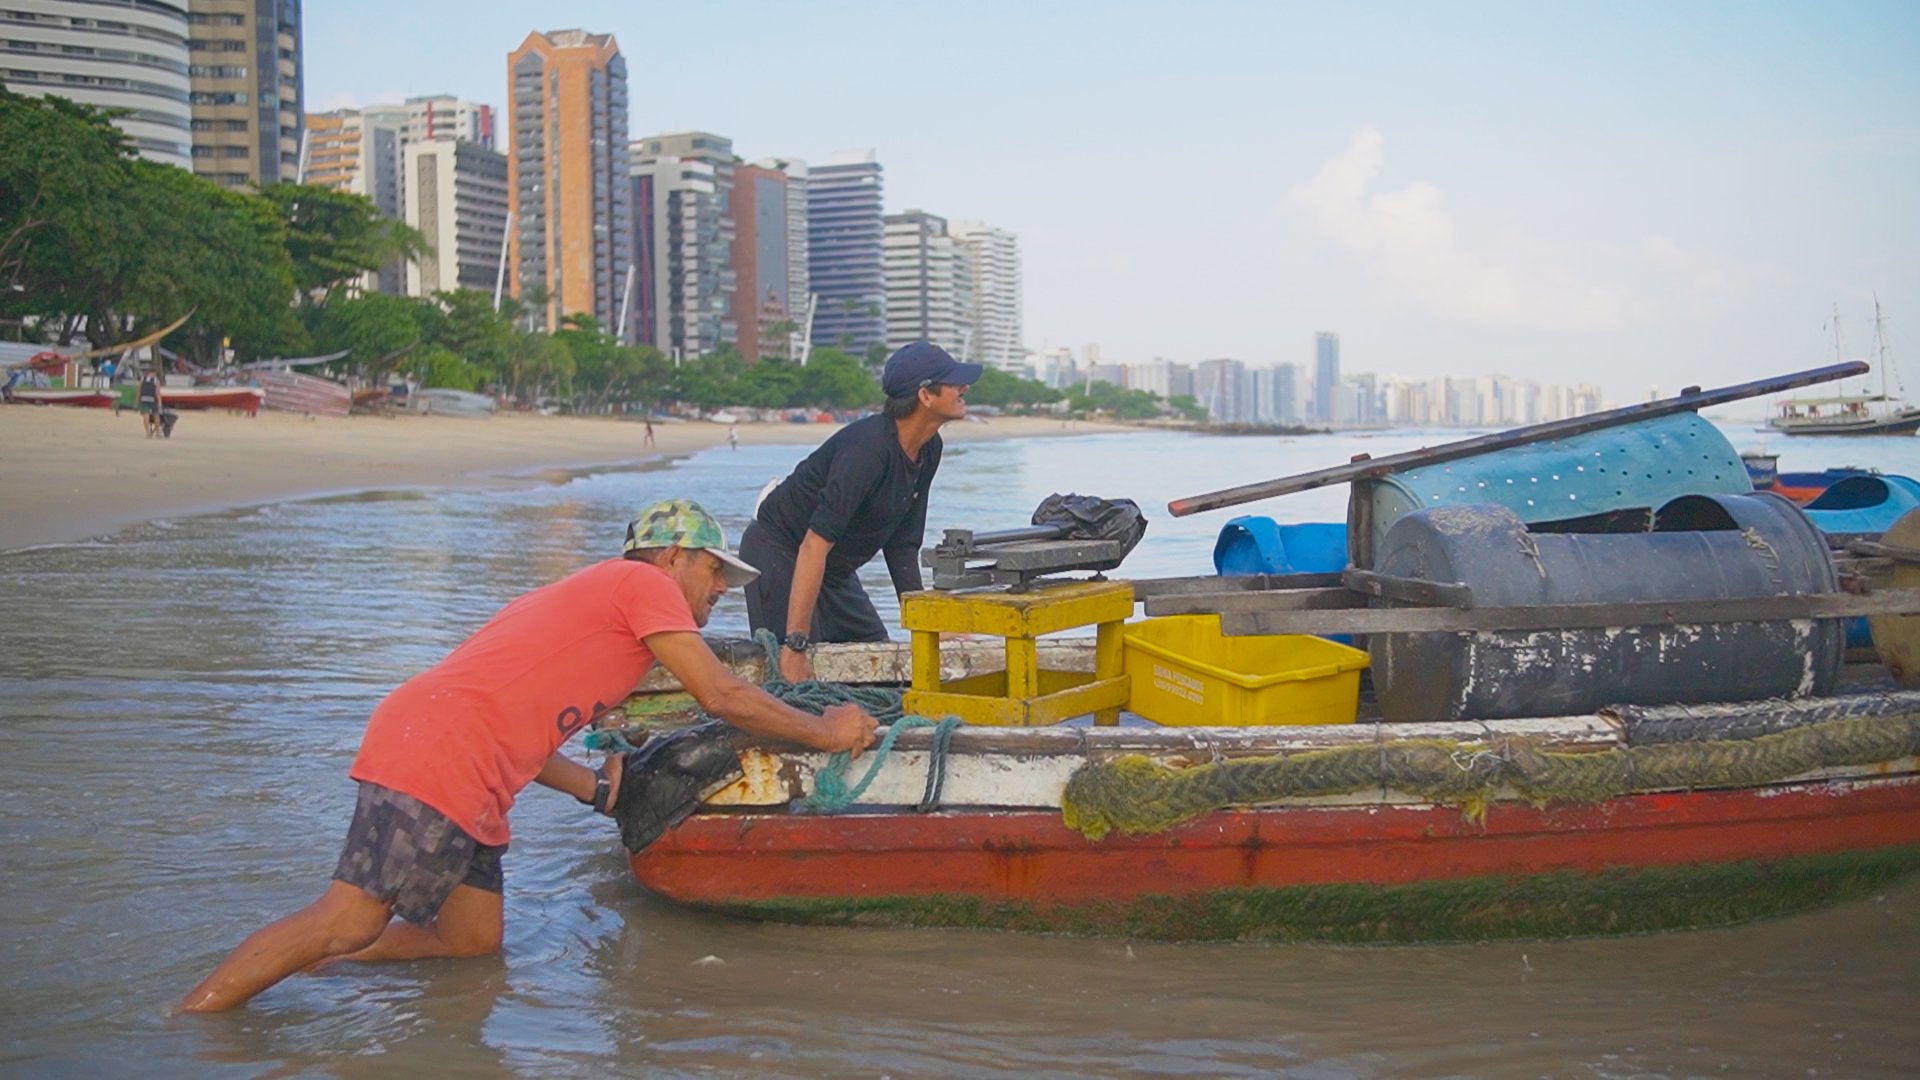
column 1491, row 786
column 80, row 398
column 246, row 399
column 1371, row 864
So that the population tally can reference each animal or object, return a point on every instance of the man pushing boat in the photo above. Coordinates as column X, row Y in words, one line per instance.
column 446, row 753
column 864, row 491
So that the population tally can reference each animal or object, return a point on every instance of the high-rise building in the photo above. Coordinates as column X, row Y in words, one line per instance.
column 248, row 93
column 921, row 268
column 1219, row 387
column 846, row 266
column 799, row 245
column 1326, row 376
column 683, row 242
column 763, row 307
column 135, row 60
column 439, row 116
column 353, row 151
column 567, row 174
column 457, row 197
column 994, row 317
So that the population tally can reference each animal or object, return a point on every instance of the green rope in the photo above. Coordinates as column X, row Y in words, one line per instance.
column 831, row 793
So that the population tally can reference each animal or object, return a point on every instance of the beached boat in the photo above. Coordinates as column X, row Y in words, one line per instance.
column 81, row 398
column 289, row 391
column 1546, row 749
column 246, row 399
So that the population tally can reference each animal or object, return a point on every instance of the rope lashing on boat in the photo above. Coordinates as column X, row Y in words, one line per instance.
column 1136, row 794
column 831, row 792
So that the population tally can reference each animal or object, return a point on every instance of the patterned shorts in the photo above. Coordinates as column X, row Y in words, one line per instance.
column 405, row 853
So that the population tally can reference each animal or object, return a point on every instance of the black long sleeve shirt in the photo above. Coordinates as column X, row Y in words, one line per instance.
column 860, row 492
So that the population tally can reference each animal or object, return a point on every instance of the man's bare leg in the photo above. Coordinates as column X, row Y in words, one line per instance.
column 470, row 923
column 342, row 921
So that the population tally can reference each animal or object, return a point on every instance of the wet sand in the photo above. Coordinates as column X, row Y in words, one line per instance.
column 69, row 474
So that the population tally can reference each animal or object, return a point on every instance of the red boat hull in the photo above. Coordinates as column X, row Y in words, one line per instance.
column 1342, row 873
column 239, row 399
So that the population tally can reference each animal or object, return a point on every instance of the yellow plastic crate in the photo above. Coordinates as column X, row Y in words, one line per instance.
column 1185, row 672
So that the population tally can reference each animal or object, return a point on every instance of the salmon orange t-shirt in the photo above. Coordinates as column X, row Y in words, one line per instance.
column 465, row 735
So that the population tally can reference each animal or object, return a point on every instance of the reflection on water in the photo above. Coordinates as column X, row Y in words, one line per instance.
column 179, row 703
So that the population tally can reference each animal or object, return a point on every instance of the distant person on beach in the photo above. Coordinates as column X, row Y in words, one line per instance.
column 446, row 753
column 733, row 435
column 649, row 439
column 864, row 491
column 149, row 401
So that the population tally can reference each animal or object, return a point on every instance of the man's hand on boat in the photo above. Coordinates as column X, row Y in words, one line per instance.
column 751, row 709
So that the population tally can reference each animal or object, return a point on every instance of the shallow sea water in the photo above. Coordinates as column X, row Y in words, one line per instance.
column 179, row 703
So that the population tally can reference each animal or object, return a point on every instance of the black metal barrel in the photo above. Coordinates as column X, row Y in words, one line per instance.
column 1703, row 547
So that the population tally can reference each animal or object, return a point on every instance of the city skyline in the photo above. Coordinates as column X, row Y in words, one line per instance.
column 1579, row 192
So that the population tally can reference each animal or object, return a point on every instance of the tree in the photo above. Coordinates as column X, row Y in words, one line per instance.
column 837, row 381
column 770, row 384
column 464, row 323
column 1188, row 407
column 538, row 364
column 438, row 366
column 61, row 165
column 376, row 329
column 1117, row 401
column 336, row 237
column 1002, row 389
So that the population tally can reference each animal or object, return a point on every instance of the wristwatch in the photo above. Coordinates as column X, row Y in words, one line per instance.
column 602, row 787
column 797, row 641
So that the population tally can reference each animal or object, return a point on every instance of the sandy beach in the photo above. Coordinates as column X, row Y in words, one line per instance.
column 69, row 474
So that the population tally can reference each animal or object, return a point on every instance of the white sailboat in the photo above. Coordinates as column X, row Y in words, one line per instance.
column 1880, row 413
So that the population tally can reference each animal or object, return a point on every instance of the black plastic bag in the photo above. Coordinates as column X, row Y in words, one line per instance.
column 1088, row 517
column 661, row 781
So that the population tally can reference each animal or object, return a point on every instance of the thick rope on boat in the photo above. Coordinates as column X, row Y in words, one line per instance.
column 1646, row 725
column 1136, row 794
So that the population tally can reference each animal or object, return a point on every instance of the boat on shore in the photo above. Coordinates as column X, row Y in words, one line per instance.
column 1639, row 718
column 246, row 399
column 79, row 398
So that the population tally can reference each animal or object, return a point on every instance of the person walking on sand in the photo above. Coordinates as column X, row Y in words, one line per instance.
column 733, row 435
column 445, row 754
column 862, row 492
column 649, row 438
column 149, row 401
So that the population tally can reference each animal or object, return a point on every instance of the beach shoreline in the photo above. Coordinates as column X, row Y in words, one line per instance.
column 72, row 474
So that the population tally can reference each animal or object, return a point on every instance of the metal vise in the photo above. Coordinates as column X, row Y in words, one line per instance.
column 964, row 559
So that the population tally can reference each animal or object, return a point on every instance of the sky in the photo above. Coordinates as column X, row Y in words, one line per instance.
column 1642, row 195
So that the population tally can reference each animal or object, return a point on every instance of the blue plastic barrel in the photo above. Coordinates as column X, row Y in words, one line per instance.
column 1260, row 545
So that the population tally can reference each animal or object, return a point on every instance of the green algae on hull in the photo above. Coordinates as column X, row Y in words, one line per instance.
column 1551, row 905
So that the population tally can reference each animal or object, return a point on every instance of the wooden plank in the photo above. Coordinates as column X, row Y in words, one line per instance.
column 1409, row 590
column 1278, row 600
column 1214, row 583
column 1503, row 440
column 1571, row 616
column 1895, row 552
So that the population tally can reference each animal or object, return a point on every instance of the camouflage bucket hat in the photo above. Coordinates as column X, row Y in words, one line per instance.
column 682, row 523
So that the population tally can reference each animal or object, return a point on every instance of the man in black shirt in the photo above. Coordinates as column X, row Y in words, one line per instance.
column 864, row 491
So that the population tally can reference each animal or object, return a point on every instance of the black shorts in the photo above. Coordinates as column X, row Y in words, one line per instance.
column 147, row 408
column 402, row 852
column 842, row 612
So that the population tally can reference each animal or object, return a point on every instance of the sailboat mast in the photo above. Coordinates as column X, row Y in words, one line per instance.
column 1880, row 353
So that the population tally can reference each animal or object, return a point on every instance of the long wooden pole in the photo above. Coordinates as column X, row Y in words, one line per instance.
column 1691, row 401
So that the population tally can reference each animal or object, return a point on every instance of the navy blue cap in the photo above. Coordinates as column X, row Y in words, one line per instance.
column 922, row 363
